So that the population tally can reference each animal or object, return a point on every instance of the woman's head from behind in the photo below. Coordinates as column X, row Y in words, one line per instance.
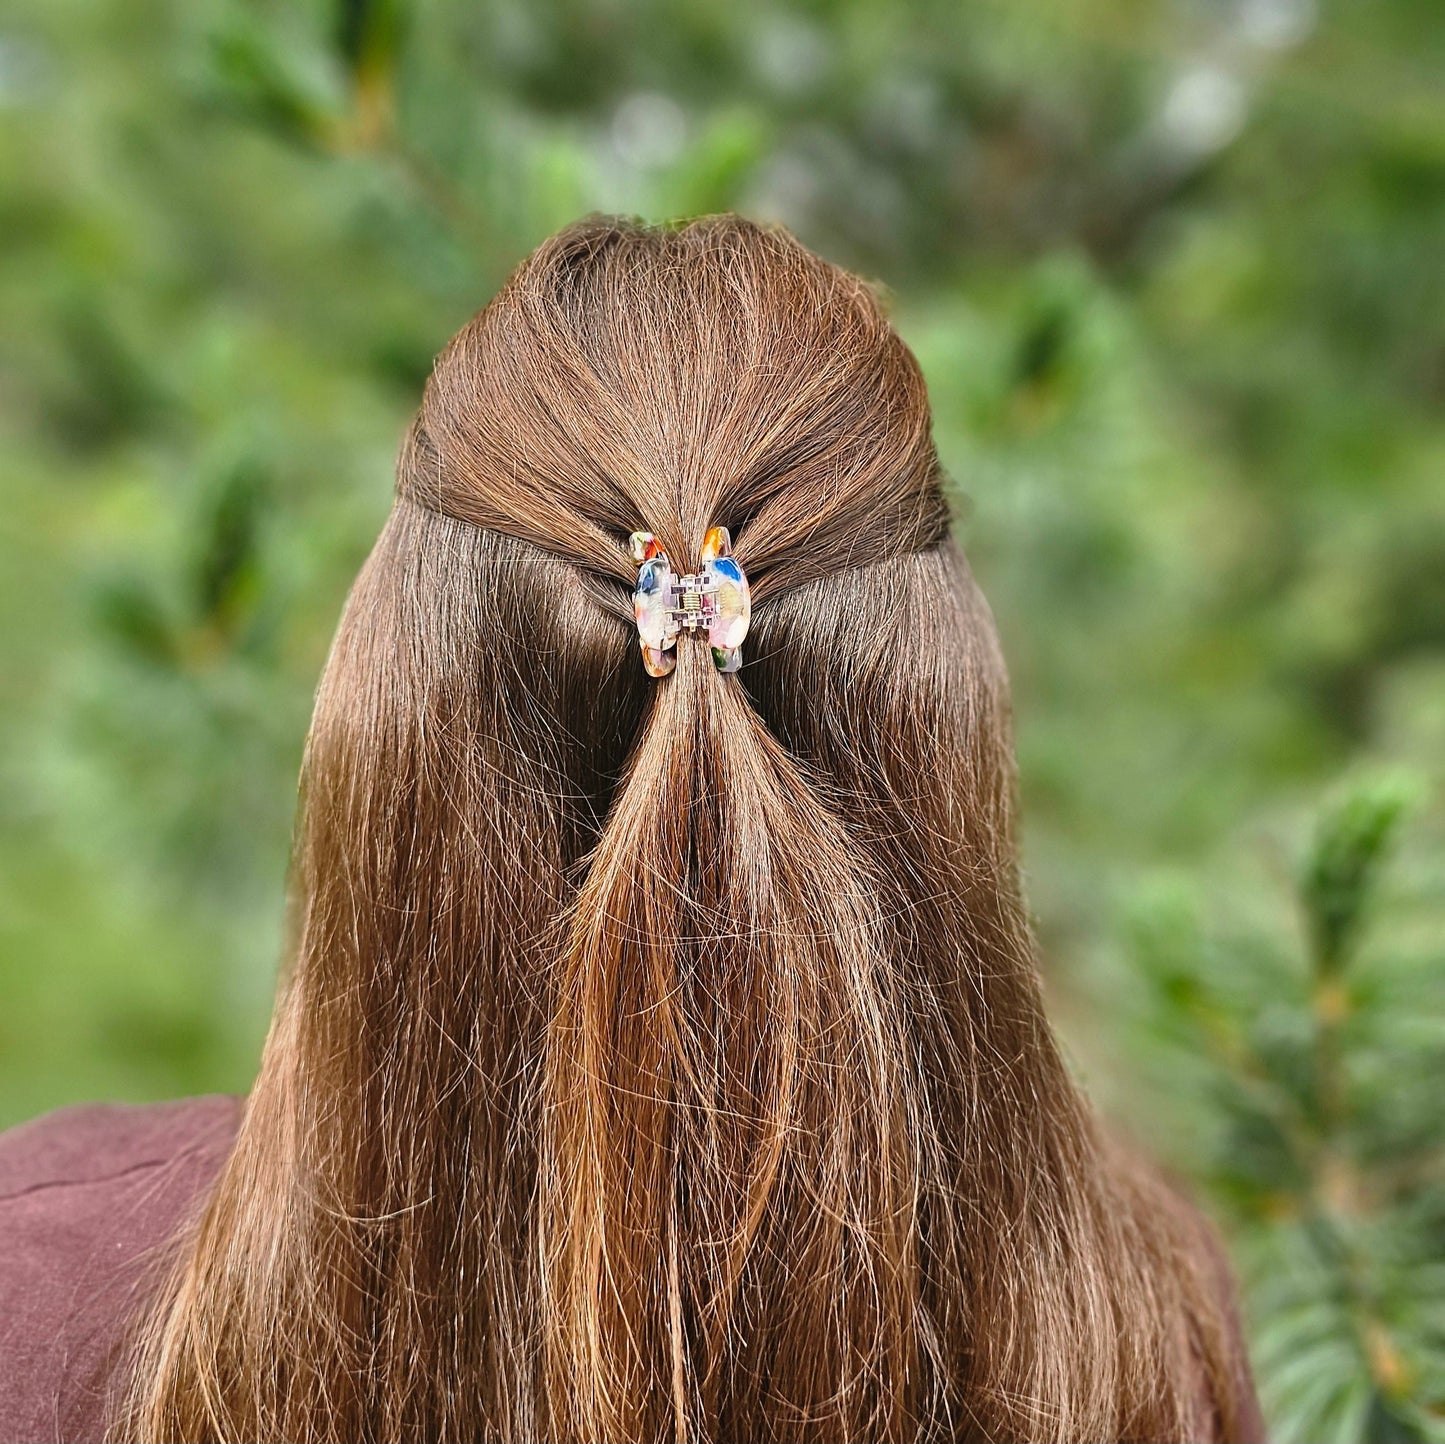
column 663, row 1058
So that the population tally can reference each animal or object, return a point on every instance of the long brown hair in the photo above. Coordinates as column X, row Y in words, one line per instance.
column 665, row 1059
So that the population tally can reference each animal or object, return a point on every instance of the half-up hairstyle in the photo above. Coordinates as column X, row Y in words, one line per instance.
column 665, row 1060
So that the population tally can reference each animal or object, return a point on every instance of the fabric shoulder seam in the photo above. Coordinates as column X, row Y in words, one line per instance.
column 50, row 1183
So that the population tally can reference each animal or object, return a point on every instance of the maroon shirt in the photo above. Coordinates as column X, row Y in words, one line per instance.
column 89, row 1196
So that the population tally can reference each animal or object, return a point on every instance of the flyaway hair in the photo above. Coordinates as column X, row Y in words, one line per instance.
column 665, row 1059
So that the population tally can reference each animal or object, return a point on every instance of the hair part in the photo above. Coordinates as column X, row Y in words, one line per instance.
column 666, row 1060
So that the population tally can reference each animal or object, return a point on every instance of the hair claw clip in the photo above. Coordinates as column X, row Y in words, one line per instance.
column 714, row 599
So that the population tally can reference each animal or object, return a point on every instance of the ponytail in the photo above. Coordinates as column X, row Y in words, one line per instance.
column 729, row 1158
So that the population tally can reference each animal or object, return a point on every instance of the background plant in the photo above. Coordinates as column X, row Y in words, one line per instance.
column 1173, row 271
column 1302, row 1054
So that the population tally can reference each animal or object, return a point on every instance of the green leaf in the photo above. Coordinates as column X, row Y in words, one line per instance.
column 1350, row 846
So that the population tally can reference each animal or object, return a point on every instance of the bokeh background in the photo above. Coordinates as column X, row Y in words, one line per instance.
column 1176, row 274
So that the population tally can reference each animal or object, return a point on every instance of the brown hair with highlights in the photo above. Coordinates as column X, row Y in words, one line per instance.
column 665, row 1060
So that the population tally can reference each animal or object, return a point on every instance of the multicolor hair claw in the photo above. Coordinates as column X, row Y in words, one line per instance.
column 715, row 599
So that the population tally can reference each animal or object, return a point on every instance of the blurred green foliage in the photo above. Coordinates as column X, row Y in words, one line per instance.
column 1174, row 271
column 1303, row 1057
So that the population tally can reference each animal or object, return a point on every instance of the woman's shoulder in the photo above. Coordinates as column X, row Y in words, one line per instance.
column 93, row 1143
column 89, row 1196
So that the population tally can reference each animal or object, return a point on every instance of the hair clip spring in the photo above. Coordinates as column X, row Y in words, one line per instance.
column 714, row 599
